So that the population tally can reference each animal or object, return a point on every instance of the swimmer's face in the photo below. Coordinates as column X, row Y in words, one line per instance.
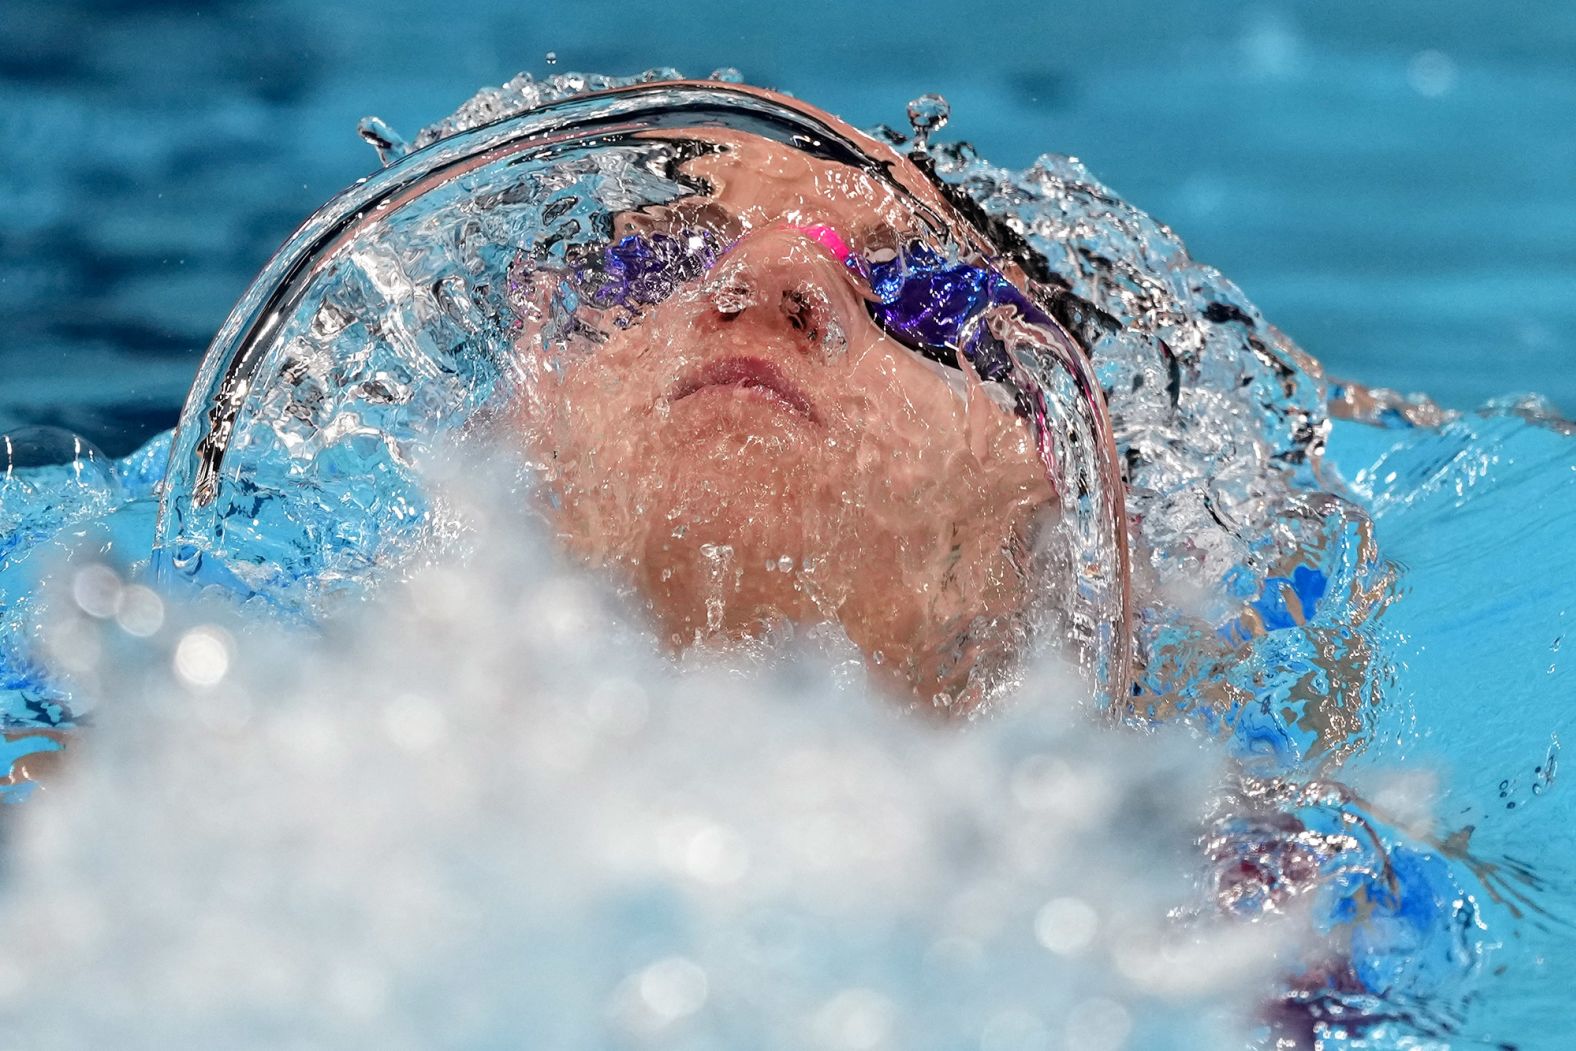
column 754, row 451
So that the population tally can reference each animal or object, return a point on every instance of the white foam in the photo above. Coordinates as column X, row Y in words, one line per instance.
column 483, row 811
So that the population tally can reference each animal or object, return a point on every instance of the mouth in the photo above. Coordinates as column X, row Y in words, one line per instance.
column 750, row 374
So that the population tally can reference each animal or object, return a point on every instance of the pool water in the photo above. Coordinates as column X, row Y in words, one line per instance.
column 1479, row 631
column 1393, row 187
column 1380, row 664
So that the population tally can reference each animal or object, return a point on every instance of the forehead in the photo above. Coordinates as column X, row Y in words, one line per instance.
column 758, row 180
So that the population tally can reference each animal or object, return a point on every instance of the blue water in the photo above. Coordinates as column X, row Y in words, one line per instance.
column 1397, row 194
column 1395, row 186
column 1481, row 673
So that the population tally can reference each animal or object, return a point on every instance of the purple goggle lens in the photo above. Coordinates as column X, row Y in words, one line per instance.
column 922, row 300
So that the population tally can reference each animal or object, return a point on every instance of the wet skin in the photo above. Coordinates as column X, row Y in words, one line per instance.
column 754, row 450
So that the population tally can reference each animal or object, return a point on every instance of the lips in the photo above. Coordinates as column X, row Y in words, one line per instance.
column 747, row 373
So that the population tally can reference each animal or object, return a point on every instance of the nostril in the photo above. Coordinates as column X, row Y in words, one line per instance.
column 798, row 310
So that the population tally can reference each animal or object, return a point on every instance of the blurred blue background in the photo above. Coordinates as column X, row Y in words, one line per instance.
column 1394, row 184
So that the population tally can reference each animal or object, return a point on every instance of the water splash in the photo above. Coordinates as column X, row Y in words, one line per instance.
column 927, row 114
column 525, row 92
column 486, row 809
column 57, row 493
column 391, row 146
column 1302, row 610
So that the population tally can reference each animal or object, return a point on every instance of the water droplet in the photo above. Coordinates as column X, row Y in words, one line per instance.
column 855, row 1020
column 139, row 611
column 202, row 657
column 1431, row 73
column 390, row 144
column 552, row 58
column 96, row 589
column 930, row 112
column 673, row 988
column 1066, row 926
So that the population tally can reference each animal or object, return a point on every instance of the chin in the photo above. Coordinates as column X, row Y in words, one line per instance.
column 752, row 480
column 738, row 426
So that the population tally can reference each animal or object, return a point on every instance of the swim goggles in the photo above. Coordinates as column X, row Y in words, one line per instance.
column 930, row 304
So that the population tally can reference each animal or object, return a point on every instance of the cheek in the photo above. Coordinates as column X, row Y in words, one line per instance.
column 604, row 392
column 904, row 416
column 925, row 453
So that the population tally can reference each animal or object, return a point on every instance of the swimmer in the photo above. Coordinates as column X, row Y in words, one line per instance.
column 794, row 394
column 768, row 413
column 783, row 425
column 770, row 375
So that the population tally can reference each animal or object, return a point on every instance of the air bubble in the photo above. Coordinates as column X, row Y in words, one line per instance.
column 37, row 456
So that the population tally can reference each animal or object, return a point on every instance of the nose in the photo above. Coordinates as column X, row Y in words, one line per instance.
column 789, row 280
